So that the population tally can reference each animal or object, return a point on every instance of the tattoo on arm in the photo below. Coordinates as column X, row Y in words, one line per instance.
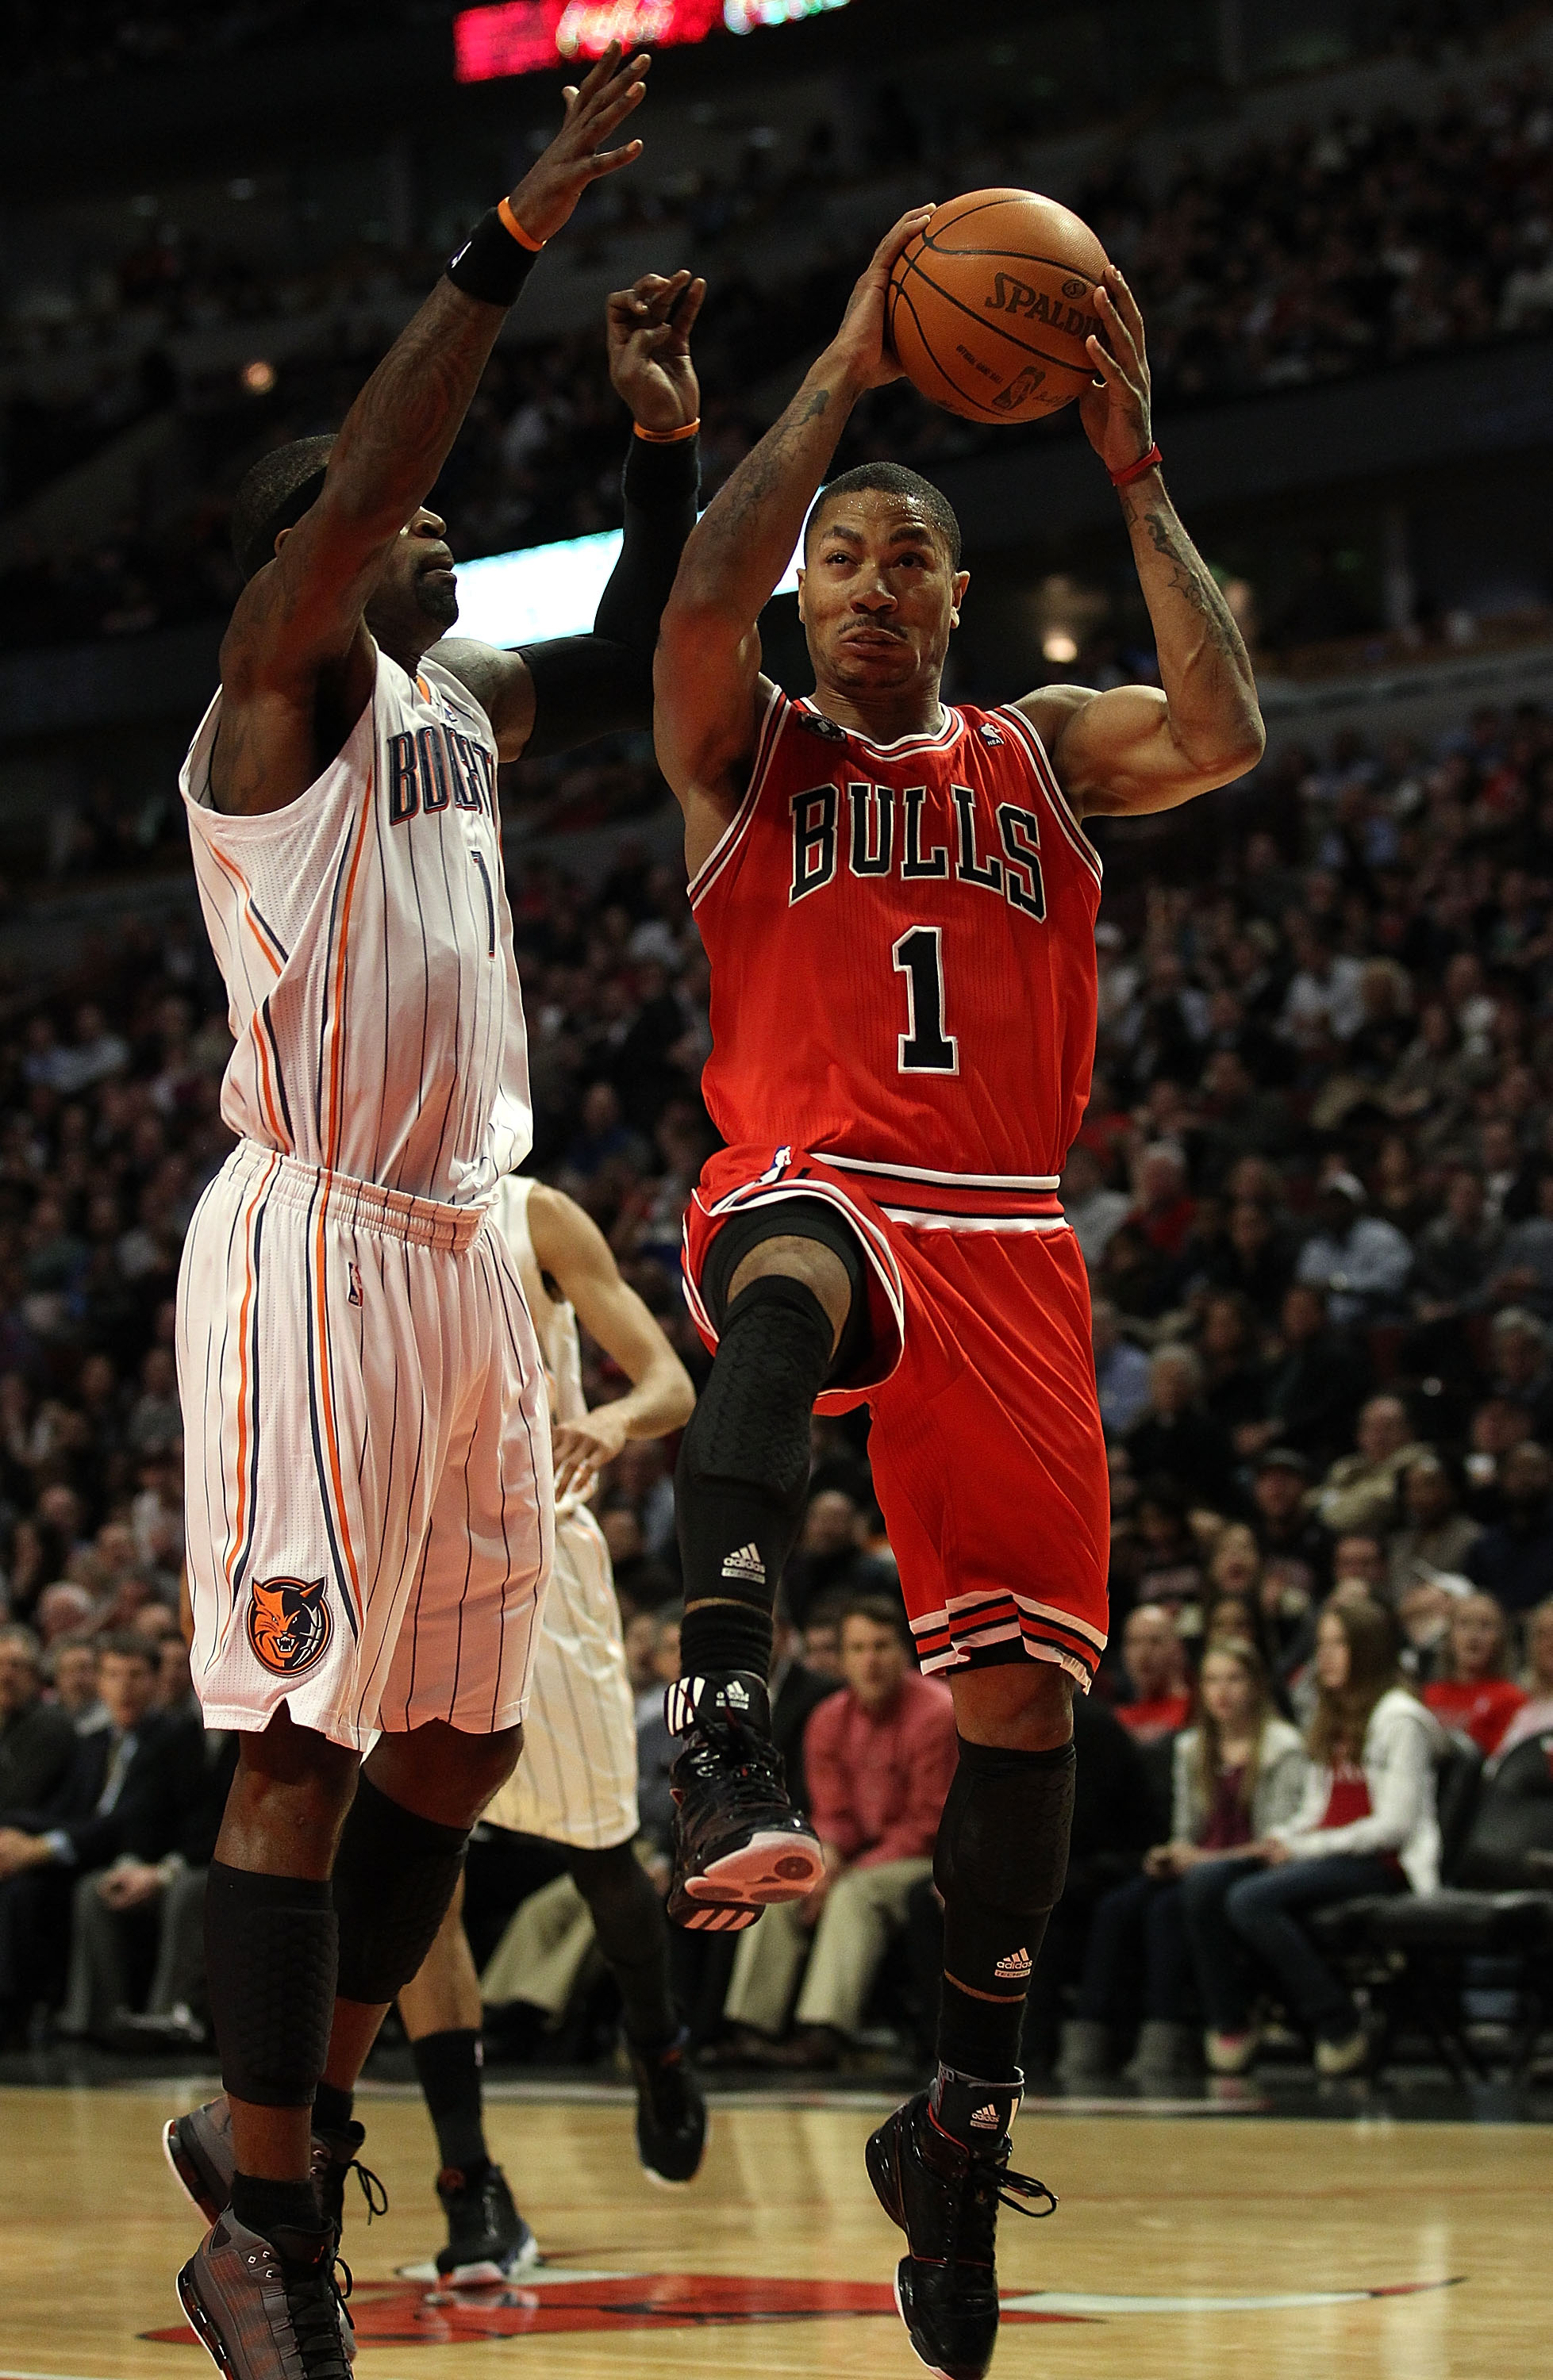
column 723, row 528
column 397, row 433
column 1191, row 578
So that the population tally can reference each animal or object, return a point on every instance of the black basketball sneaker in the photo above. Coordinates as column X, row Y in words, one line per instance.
column 940, row 2169
column 488, row 2240
column 199, row 2148
column 670, row 2113
column 739, row 1844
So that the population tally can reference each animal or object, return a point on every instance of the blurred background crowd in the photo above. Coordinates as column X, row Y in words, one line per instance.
column 1314, row 1186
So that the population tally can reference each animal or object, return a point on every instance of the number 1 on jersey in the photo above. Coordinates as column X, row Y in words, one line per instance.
column 925, row 1048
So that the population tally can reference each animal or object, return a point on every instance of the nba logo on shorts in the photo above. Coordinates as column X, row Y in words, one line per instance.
column 354, row 1296
column 289, row 1624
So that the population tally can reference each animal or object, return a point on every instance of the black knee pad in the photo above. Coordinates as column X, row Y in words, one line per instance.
column 393, row 1877
column 1003, row 1837
column 751, row 1426
column 270, row 1947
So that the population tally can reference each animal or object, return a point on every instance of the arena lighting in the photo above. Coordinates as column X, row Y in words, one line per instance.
column 522, row 37
column 545, row 590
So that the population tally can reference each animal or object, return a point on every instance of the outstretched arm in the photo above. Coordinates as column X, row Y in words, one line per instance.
column 708, row 659
column 547, row 698
column 570, row 1247
column 1135, row 748
column 297, row 646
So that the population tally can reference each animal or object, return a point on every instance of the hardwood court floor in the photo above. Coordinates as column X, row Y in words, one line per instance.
column 1302, row 2223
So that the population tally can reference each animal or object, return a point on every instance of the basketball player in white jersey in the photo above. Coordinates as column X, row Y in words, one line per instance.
column 576, row 1783
column 370, row 1504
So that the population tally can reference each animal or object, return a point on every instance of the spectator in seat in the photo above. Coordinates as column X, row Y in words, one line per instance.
column 1122, row 1372
column 1093, row 1210
column 1366, row 1825
column 1513, row 1558
column 1359, row 1560
column 1535, row 1714
column 880, row 1757
column 1155, row 1666
column 1162, row 1203
column 796, row 1693
column 1315, row 1386
column 1253, row 1260
column 1361, row 1490
column 1454, row 1252
column 1179, row 1435
column 127, row 1792
column 72, row 1668
column 1234, row 1376
column 1521, row 1366
column 1436, row 1535
column 821, row 1636
column 830, row 1557
column 63, row 1609
column 37, row 1738
column 1524, row 1263
column 1360, row 1261
column 1286, row 1531
column 1238, row 1772
column 1475, row 1694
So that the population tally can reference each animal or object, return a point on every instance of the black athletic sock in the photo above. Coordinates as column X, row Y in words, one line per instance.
column 265, row 2206
column 331, row 2108
column 1000, row 1865
column 743, row 1470
column 633, row 1937
column 448, row 2065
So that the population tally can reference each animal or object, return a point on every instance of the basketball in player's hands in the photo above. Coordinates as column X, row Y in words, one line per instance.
column 990, row 305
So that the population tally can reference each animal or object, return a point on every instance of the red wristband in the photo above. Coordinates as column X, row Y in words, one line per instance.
column 1135, row 470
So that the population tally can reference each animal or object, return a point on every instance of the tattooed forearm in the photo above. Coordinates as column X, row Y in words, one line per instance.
column 398, row 434
column 1190, row 577
column 737, row 550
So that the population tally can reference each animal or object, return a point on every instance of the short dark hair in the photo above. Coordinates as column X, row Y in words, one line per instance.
column 128, row 1646
column 879, row 1611
column 892, row 479
column 274, row 495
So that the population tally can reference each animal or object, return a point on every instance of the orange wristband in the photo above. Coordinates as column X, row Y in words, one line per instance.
column 669, row 437
column 512, row 224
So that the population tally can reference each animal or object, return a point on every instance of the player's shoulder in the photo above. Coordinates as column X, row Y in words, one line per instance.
column 463, row 673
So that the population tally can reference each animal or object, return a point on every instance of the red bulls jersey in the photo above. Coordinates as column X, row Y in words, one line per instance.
column 902, row 947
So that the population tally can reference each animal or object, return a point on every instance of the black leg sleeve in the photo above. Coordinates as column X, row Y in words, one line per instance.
column 633, row 1935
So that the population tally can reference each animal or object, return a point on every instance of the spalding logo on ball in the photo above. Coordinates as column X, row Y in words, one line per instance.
column 990, row 306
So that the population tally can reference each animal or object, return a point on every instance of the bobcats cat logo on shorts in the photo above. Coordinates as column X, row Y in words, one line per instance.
column 289, row 1624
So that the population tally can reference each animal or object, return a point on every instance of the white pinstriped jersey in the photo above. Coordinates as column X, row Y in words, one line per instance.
column 576, row 1782
column 366, row 939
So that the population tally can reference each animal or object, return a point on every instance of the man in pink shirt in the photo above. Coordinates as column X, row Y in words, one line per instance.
column 880, row 1758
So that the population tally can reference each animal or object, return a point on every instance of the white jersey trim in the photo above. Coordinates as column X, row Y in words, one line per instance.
column 950, row 1181
column 733, row 833
column 921, row 1222
column 949, row 732
column 1056, row 799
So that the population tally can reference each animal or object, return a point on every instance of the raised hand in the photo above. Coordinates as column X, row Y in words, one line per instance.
column 861, row 343
column 649, row 328
column 544, row 200
column 1116, row 410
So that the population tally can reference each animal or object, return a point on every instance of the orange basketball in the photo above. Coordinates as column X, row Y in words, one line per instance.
column 990, row 306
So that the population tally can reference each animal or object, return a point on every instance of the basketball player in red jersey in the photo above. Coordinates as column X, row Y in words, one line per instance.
column 898, row 902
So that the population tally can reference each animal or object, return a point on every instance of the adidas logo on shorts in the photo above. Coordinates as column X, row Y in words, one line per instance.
column 745, row 1563
column 1015, row 1968
column 986, row 2119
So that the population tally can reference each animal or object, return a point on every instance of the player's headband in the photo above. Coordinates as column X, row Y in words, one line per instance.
column 259, row 547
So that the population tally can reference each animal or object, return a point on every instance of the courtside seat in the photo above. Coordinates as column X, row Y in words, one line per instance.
column 1411, row 1950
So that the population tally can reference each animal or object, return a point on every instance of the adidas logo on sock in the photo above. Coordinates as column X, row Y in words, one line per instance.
column 1015, row 1968
column 745, row 1563
column 986, row 2119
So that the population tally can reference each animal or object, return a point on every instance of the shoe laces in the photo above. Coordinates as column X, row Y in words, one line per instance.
column 744, row 1765
column 989, row 2185
column 333, row 2173
column 316, row 2302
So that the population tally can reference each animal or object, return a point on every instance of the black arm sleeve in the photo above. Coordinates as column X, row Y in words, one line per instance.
column 599, row 684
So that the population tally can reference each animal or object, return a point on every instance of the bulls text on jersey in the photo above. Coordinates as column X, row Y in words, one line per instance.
column 870, row 830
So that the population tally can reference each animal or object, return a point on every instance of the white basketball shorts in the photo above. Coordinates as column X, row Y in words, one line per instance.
column 367, row 1457
column 576, row 1783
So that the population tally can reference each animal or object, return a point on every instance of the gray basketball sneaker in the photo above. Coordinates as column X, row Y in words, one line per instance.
column 266, row 2308
column 199, row 2148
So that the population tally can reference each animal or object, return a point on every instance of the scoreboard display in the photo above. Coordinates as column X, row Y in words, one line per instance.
column 518, row 37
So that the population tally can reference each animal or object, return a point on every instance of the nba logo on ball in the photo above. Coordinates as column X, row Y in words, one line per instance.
column 289, row 1624
column 990, row 303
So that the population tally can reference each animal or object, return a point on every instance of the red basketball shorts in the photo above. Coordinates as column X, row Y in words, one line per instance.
column 988, row 1458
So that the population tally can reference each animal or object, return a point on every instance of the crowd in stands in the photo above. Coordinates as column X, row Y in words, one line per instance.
column 1314, row 1191
column 1339, row 246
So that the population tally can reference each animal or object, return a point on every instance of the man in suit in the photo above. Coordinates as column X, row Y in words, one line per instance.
column 128, row 1790
column 37, row 1739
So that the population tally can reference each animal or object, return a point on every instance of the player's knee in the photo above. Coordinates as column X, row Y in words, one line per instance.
column 443, row 1773
column 1023, row 1706
column 818, row 1269
column 393, row 1881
